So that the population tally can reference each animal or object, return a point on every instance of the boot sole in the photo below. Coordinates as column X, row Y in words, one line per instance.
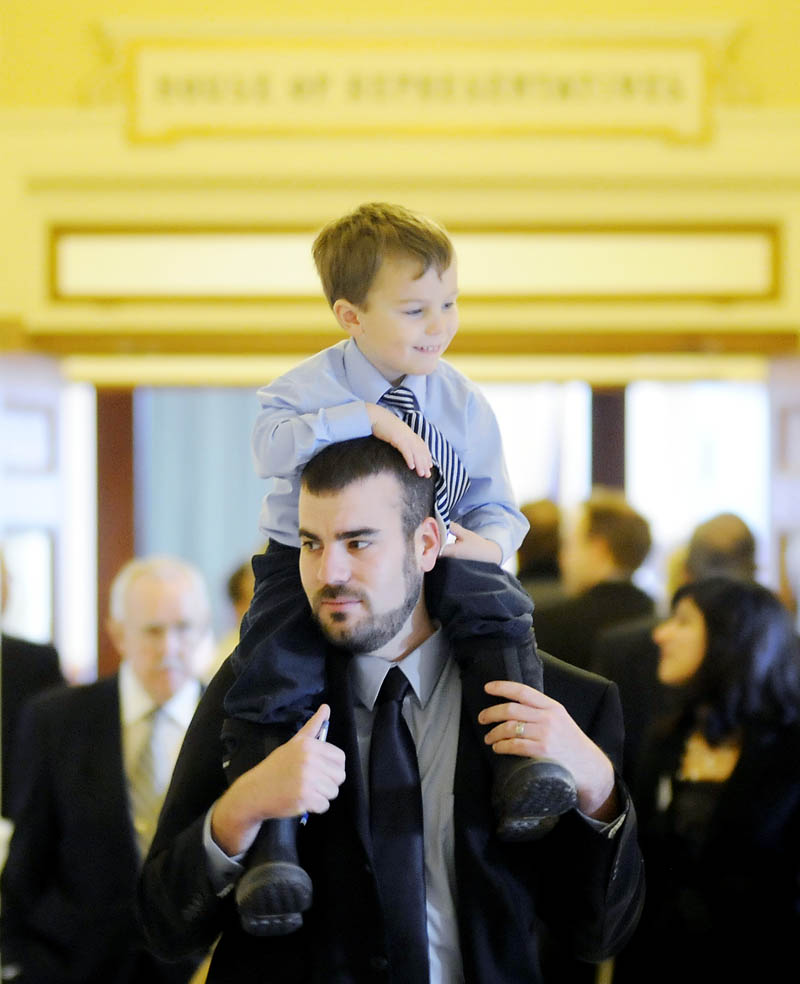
column 532, row 798
column 271, row 898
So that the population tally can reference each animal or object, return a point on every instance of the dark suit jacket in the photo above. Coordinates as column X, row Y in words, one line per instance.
column 586, row 887
column 736, row 917
column 27, row 669
column 70, row 878
column 568, row 628
column 627, row 654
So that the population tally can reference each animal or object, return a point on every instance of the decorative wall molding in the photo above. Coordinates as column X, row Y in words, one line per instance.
column 597, row 194
column 210, row 78
column 557, row 262
column 418, row 85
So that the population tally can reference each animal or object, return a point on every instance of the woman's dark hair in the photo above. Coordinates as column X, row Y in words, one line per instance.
column 750, row 674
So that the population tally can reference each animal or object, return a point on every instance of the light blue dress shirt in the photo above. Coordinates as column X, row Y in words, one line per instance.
column 322, row 401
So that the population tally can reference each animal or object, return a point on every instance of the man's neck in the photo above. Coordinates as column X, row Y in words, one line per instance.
column 416, row 630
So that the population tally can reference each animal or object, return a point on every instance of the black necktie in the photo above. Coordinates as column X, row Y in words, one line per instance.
column 397, row 842
column 452, row 481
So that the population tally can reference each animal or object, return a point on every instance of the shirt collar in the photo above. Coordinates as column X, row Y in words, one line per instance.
column 136, row 703
column 422, row 668
column 368, row 384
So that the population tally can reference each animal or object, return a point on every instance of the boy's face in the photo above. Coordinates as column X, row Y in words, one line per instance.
column 407, row 320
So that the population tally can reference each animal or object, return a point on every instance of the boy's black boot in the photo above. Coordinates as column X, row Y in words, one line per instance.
column 275, row 889
column 528, row 795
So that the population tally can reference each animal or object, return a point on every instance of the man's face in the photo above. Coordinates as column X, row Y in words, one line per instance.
column 163, row 624
column 576, row 556
column 362, row 576
column 407, row 320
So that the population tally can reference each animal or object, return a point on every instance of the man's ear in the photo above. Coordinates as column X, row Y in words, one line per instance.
column 115, row 633
column 429, row 543
column 348, row 316
column 601, row 558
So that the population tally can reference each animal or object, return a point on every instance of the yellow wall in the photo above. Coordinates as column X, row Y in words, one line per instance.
column 51, row 52
column 70, row 158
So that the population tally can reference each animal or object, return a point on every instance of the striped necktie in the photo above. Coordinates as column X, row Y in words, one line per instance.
column 146, row 791
column 452, row 481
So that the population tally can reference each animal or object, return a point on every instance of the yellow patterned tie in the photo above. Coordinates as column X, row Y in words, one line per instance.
column 146, row 795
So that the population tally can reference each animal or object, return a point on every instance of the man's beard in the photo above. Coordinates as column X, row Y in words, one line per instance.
column 373, row 631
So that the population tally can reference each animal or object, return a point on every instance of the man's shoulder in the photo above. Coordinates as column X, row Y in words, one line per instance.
column 626, row 639
column 596, row 603
column 41, row 652
column 621, row 592
column 70, row 703
column 579, row 690
column 558, row 612
column 562, row 677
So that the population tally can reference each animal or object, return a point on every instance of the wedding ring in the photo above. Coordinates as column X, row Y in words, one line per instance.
column 519, row 731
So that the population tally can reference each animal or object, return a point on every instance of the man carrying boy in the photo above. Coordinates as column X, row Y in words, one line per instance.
column 466, row 907
column 390, row 278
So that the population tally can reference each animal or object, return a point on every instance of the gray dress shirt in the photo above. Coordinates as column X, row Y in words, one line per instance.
column 433, row 714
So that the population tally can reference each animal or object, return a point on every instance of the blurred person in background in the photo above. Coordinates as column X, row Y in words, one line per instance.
column 627, row 653
column 605, row 542
column 791, row 561
column 239, row 591
column 722, row 545
column 719, row 793
column 27, row 668
column 537, row 558
column 92, row 765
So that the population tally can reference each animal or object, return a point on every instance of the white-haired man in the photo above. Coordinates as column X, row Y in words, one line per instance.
column 94, row 762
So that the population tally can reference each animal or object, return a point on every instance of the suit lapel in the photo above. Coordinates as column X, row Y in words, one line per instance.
column 107, row 759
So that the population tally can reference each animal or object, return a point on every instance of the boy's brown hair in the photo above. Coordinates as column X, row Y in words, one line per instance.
column 349, row 251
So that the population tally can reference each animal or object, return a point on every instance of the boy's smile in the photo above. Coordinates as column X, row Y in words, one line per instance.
column 407, row 320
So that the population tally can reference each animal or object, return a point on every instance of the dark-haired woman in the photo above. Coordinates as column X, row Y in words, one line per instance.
column 719, row 795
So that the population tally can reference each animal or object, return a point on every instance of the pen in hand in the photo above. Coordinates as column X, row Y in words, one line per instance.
column 321, row 736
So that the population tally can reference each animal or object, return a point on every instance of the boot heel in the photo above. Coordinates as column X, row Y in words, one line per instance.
column 275, row 890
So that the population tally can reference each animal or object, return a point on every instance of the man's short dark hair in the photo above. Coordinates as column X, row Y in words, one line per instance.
column 627, row 533
column 339, row 465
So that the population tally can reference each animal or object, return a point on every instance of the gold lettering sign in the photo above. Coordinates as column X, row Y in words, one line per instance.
column 196, row 88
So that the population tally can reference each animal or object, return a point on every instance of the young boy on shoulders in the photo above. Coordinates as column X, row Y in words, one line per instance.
column 390, row 277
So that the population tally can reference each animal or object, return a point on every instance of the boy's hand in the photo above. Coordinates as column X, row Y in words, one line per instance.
column 387, row 427
column 301, row 776
column 472, row 546
column 534, row 725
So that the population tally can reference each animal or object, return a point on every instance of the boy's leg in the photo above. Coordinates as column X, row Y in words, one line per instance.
column 487, row 617
column 280, row 674
column 275, row 889
column 279, row 662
